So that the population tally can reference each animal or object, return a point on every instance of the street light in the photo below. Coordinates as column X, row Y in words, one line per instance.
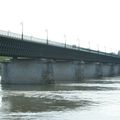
column 22, row 30
column 105, row 48
column 47, row 35
column 89, row 45
column 78, row 42
column 65, row 40
column 98, row 47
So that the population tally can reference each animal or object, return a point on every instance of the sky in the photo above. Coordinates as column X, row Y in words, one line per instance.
column 92, row 24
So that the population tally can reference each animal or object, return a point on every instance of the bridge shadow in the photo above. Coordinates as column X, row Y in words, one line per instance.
column 86, row 84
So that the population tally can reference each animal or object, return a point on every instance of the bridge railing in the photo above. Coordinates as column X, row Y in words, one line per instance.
column 10, row 34
column 44, row 41
column 14, row 35
column 19, row 36
column 56, row 43
column 35, row 39
column 4, row 33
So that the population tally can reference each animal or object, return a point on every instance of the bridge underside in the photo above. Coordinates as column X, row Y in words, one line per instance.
column 15, row 47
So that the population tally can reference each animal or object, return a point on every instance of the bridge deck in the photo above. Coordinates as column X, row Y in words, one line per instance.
column 12, row 45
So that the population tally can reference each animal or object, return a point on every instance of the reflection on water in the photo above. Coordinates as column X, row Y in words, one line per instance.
column 89, row 100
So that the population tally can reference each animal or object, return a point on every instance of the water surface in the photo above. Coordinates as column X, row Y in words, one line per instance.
column 95, row 99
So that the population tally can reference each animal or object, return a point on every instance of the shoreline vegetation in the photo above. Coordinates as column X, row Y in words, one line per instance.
column 2, row 58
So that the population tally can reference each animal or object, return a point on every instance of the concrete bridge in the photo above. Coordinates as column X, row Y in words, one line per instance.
column 46, row 61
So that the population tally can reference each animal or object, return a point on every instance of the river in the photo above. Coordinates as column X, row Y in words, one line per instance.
column 95, row 99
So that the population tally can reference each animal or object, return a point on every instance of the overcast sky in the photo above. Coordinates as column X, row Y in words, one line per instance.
column 91, row 21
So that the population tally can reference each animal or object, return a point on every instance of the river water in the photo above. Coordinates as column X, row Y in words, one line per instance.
column 95, row 99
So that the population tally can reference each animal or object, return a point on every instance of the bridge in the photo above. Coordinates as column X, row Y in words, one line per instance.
column 12, row 44
column 62, row 62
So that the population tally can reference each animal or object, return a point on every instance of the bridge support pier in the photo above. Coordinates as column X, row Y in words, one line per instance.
column 35, row 71
column 27, row 71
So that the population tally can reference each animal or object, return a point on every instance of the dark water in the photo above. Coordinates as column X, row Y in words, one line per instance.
column 88, row 100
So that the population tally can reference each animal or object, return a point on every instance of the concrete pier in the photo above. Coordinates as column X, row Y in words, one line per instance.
column 31, row 71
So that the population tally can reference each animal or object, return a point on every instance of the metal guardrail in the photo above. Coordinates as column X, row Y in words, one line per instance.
column 44, row 41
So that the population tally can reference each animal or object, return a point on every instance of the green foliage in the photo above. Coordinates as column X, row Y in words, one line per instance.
column 2, row 59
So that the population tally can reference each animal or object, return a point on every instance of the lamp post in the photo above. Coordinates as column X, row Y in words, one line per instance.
column 46, row 35
column 65, row 40
column 98, row 47
column 22, row 30
column 89, row 45
column 78, row 42
column 105, row 49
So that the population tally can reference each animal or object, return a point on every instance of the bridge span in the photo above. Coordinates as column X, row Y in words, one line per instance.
column 11, row 44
